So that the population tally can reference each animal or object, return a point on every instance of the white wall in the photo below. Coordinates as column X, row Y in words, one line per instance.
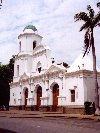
column 15, row 94
column 27, row 42
column 43, row 59
column 74, row 83
column 90, row 89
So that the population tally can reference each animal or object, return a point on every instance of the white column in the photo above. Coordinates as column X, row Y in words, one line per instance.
column 25, row 65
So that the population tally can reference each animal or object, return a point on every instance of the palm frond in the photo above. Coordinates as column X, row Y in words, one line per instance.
column 85, row 26
column 86, row 42
column 90, row 43
column 98, row 24
column 88, row 7
column 98, row 4
column 91, row 12
column 82, row 16
column 96, row 19
column 90, row 22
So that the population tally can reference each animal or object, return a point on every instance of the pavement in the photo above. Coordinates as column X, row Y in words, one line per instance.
column 50, row 115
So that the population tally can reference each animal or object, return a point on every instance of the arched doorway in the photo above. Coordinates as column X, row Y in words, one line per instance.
column 39, row 94
column 26, row 96
column 55, row 98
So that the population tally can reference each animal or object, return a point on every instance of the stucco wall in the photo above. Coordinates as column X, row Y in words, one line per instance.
column 27, row 42
column 74, row 83
column 90, row 89
column 15, row 96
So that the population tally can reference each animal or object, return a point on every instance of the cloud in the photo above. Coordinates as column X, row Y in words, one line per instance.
column 6, row 52
column 54, row 20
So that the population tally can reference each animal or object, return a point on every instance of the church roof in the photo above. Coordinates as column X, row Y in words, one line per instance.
column 30, row 27
column 81, row 64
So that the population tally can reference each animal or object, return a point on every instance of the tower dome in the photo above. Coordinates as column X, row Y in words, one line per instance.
column 29, row 39
column 31, row 27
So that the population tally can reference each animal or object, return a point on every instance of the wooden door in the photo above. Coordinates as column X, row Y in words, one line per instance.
column 26, row 96
column 55, row 98
column 39, row 94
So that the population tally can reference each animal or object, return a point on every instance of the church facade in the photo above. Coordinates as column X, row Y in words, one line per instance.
column 41, row 84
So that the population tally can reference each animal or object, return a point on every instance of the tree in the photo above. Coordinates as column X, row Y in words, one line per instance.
column 90, row 22
column 11, row 68
column 4, row 85
column 6, row 76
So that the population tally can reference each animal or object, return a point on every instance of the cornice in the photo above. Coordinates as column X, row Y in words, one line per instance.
column 81, row 72
column 29, row 34
column 47, row 76
column 23, row 55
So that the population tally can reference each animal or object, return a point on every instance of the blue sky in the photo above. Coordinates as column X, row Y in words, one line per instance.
column 54, row 20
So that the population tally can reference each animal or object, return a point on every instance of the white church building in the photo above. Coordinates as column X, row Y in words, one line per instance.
column 40, row 84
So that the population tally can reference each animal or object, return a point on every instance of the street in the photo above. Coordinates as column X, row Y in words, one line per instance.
column 49, row 125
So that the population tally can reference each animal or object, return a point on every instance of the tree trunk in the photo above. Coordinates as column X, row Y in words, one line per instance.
column 95, row 75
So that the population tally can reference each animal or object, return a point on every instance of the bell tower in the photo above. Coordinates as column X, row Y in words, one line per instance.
column 29, row 39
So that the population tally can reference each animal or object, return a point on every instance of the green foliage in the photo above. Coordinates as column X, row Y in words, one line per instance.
column 6, row 76
column 90, row 22
column 98, row 4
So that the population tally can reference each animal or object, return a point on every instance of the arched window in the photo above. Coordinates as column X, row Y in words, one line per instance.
column 17, row 70
column 39, row 67
column 34, row 44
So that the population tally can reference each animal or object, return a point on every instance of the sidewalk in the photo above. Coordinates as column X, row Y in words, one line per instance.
column 37, row 114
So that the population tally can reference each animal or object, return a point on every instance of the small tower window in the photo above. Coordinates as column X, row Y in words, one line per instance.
column 39, row 67
column 20, row 46
column 34, row 44
column 17, row 70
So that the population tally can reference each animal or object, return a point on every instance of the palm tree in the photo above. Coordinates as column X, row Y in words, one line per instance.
column 90, row 22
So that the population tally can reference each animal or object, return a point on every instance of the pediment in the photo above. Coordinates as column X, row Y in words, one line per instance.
column 54, row 68
column 24, row 76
